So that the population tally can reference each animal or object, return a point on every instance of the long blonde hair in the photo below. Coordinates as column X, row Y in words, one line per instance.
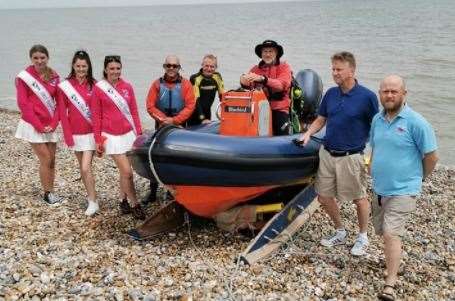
column 48, row 72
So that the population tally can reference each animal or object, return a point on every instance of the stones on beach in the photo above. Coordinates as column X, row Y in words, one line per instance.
column 167, row 281
column 45, row 278
column 134, row 294
column 52, row 253
column 16, row 277
column 35, row 270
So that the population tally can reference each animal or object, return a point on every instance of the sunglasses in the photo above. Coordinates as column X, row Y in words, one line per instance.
column 169, row 66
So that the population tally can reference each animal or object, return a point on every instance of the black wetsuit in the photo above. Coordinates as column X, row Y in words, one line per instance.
column 205, row 89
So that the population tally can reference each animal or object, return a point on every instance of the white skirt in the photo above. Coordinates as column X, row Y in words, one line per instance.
column 83, row 143
column 118, row 144
column 27, row 132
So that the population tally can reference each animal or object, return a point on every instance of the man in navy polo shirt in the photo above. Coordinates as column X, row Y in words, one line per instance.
column 403, row 154
column 346, row 111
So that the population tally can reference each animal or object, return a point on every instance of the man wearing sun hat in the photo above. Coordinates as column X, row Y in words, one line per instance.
column 274, row 77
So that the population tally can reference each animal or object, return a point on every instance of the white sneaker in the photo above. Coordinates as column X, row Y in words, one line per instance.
column 92, row 208
column 339, row 238
column 360, row 247
column 52, row 199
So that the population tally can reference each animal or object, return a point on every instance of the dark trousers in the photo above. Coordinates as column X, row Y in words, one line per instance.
column 194, row 119
column 280, row 123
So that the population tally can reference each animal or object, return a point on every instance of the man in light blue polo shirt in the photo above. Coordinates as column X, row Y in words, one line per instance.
column 403, row 155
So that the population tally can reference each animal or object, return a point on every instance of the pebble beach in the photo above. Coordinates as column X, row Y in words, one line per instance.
column 57, row 253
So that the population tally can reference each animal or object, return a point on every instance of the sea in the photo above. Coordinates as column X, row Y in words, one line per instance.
column 412, row 38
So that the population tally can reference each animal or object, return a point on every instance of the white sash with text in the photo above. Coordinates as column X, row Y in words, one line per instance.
column 76, row 99
column 39, row 90
column 118, row 100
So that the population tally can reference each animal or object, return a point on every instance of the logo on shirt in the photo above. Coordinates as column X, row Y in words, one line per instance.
column 125, row 93
column 401, row 130
column 208, row 87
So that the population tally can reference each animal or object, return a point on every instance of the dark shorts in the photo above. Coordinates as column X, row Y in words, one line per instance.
column 279, row 120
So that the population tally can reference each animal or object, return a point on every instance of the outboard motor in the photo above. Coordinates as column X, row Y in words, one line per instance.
column 311, row 84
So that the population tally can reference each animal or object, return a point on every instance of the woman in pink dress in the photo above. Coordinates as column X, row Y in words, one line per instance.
column 36, row 91
column 74, row 95
column 116, row 124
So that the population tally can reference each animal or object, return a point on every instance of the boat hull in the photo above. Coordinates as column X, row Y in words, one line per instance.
column 210, row 173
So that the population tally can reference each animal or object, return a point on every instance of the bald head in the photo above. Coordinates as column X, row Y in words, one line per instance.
column 392, row 93
column 394, row 80
column 172, row 59
column 171, row 68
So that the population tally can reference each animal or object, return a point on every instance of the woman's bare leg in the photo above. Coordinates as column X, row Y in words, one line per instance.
column 46, row 156
column 85, row 164
column 126, row 178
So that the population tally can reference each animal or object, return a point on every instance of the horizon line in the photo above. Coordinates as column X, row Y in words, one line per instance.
column 160, row 3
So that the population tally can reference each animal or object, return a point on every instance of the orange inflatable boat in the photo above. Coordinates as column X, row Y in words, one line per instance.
column 211, row 168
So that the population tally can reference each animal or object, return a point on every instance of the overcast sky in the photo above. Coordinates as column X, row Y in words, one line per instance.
column 11, row 4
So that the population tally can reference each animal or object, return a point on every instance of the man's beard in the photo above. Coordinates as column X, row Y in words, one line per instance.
column 395, row 108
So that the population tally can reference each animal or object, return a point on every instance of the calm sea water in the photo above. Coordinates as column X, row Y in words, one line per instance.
column 414, row 38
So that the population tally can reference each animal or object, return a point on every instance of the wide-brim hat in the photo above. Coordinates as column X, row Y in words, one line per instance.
column 269, row 43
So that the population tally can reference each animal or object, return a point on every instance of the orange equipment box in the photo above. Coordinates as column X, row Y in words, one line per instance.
column 245, row 113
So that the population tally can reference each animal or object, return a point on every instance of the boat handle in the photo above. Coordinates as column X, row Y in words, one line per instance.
column 237, row 97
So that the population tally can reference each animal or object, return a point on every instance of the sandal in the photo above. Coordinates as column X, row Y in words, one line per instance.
column 387, row 296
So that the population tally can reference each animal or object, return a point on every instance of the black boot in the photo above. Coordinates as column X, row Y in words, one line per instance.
column 150, row 197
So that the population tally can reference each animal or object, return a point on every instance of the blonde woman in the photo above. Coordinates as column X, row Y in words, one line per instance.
column 36, row 90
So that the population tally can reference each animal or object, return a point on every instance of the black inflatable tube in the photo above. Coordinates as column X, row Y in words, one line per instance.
column 191, row 158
